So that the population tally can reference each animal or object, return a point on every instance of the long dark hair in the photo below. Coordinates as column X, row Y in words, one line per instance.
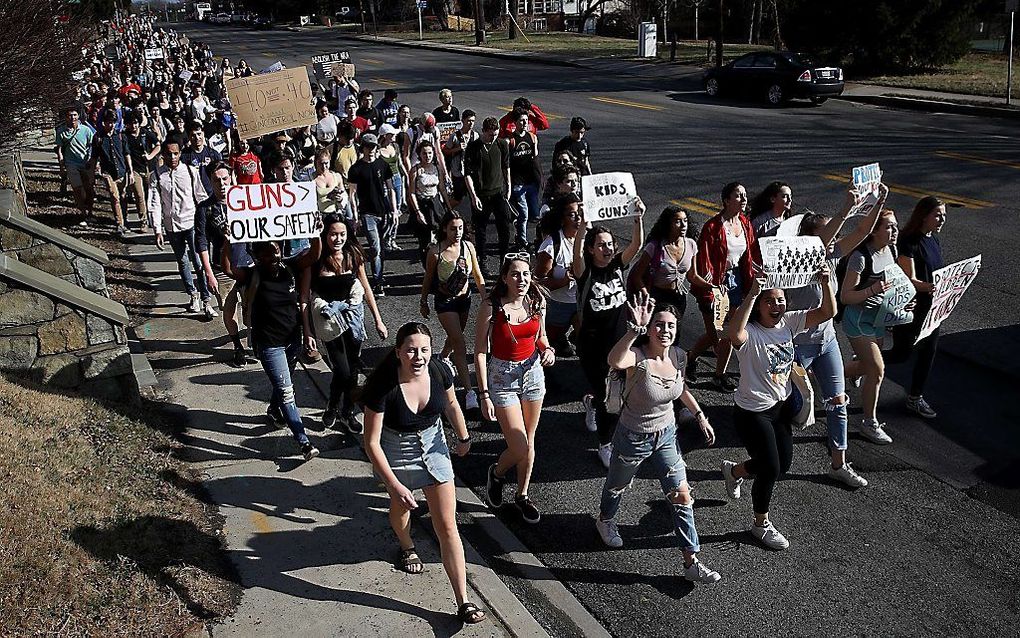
column 448, row 217
column 663, row 226
column 552, row 221
column 589, row 242
column 728, row 189
column 536, row 292
column 924, row 207
column 385, row 375
column 643, row 340
column 351, row 256
column 762, row 202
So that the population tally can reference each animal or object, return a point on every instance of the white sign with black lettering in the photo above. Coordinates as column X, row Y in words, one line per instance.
column 791, row 262
column 866, row 180
column 608, row 196
column 154, row 54
column 271, row 212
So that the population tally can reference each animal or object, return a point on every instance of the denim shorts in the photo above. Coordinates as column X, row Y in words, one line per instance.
column 511, row 382
column 859, row 322
column 418, row 459
column 558, row 313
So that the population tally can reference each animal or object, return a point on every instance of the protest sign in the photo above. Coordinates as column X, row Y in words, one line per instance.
column 790, row 227
column 272, row 102
column 608, row 196
column 272, row 68
column 271, row 212
column 866, row 180
column 325, row 66
column 154, row 54
column 720, row 307
column 186, row 75
column 446, row 129
column 791, row 262
column 892, row 311
column 78, row 76
column 950, row 284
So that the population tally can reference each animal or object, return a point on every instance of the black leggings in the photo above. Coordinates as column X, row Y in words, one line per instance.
column 594, row 357
column 769, row 443
column 432, row 210
column 903, row 346
column 342, row 356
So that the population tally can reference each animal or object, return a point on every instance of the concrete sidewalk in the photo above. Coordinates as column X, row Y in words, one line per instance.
column 311, row 541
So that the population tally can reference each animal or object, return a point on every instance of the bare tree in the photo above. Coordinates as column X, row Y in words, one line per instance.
column 41, row 47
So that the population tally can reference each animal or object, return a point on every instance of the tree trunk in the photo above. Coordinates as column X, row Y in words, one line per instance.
column 719, row 37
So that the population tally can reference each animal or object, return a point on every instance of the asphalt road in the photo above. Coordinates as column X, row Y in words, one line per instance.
column 931, row 546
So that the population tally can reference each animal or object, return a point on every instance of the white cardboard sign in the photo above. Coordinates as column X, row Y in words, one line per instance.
column 271, row 212
column 608, row 196
column 892, row 311
column 791, row 262
column 866, row 180
column 950, row 284
column 154, row 54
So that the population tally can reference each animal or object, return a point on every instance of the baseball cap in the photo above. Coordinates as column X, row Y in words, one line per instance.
column 578, row 122
column 428, row 119
column 368, row 139
column 387, row 129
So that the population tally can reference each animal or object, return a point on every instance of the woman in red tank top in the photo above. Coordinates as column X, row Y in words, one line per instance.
column 511, row 348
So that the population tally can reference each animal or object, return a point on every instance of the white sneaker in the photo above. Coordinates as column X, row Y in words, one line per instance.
column 606, row 454
column 875, row 432
column 698, row 573
column 210, row 312
column 770, row 536
column 589, row 413
column 609, row 531
column 196, row 303
column 732, row 483
column 847, row 476
column 920, row 407
column 471, row 400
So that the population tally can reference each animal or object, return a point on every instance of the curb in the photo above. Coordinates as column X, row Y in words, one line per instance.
column 466, row 50
column 932, row 106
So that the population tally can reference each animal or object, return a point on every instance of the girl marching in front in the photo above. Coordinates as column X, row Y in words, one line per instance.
column 405, row 397
column 763, row 331
column 647, row 427
column 601, row 297
column 511, row 328
column 449, row 267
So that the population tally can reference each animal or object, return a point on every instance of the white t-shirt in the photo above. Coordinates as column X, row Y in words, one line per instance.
column 561, row 263
column 735, row 249
column 766, row 360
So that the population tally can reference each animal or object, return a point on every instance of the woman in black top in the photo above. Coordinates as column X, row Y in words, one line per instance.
column 405, row 396
column 601, row 297
column 919, row 255
column 339, row 280
column 274, row 319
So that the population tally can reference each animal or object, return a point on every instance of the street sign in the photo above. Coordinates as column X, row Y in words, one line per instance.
column 423, row 4
column 1012, row 6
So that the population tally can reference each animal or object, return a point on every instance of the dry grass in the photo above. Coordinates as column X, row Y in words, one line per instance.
column 102, row 532
column 974, row 74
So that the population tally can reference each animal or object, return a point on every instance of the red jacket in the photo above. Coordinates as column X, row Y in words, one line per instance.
column 712, row 253
column 537, row 121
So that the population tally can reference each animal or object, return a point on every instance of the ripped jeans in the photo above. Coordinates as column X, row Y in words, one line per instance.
column 826, row 362
column 630, row 449
column 278, row 362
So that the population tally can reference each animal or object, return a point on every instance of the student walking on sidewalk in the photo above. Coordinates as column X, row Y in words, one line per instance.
column 405, row 397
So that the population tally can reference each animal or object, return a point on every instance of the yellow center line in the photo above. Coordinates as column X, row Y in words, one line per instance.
column 704, row 202
column 636, row 105
column 372, row 61
column 463, row 77
column 978, row 160
column 551, row 116
column 384, row 81
column 688, row 204
column 914, row 192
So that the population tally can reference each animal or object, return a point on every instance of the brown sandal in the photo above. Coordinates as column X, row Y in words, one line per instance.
column 470, row 614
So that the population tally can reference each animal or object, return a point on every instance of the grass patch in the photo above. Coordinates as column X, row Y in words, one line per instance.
column 975, row 74
column 580, row 45
column 102, row 530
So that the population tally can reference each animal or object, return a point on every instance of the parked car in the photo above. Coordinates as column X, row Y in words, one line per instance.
column 220, row 18
column 261, row 22
column 775, row 76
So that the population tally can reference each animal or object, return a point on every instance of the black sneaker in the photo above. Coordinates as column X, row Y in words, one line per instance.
column 529, row 512
column 724, row 383
column 275, row 418
column 329, row 417
column 352, row 424
column 240, row 359
column 309, row 451
column 380, row 291
column 493, row 489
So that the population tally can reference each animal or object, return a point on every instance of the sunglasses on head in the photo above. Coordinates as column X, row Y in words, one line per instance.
column 512, row 256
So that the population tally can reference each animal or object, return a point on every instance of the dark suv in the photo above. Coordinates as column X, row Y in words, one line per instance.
column 776, row 76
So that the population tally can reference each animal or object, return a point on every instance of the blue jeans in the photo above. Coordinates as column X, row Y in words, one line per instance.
column 826, row 361
column 278, row 362
column 389, row 233
column 373, row 232
column 524, row 199
column 183, row 245
column 630, row 449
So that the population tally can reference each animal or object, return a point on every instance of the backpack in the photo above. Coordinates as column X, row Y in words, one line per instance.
column 841, row 267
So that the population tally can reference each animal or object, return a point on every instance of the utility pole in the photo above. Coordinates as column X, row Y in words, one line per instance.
column 719, row 35
column 1009, row 64
column 479, row 22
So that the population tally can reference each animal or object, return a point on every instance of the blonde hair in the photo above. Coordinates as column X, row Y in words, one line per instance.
column 445, row 92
